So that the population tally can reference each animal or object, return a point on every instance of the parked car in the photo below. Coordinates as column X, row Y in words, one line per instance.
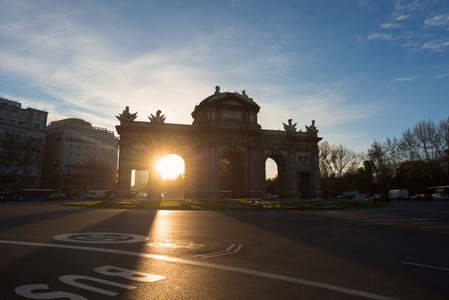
column 440, row 196
column 381, row 198
column 348, row 195
column 363, row 197
column 56, row 196
column 422, row 197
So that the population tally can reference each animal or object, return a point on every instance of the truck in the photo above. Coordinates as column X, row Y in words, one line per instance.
column 98, row 194
column 399, row 194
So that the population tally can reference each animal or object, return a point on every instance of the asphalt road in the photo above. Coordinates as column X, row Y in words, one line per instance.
column 50, row 251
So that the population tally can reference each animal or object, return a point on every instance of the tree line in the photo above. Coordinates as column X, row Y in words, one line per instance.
column 417, row 160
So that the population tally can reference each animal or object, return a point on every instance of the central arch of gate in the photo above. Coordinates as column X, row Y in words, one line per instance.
column 224, row 150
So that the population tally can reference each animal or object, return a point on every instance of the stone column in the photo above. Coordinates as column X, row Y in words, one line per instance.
column 124, row 169
column 293, row 174
column 154, row 180
column 315, row 174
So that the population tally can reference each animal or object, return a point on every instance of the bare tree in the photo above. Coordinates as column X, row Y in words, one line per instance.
column 443, row 131
column 377, row 156
column 428, row 141
column 20, row 156
column 335, row 163
column 392, row 149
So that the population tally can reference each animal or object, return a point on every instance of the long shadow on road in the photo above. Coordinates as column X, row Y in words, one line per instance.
column 379, row 248
column 44, row 265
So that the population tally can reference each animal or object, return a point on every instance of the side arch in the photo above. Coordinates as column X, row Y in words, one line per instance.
column 281, row 162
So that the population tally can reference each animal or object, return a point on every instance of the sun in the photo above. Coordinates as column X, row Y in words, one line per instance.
column 171, row 166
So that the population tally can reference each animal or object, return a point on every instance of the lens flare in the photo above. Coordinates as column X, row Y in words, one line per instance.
column 171, row 166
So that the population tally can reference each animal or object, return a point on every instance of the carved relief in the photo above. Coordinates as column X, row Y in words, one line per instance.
column 303, row 160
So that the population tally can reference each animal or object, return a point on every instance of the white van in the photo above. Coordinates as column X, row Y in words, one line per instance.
column 400, row 194
column 98, row 194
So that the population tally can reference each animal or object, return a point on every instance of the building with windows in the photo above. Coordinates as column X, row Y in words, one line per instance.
column 79, row 157
column 22, row 139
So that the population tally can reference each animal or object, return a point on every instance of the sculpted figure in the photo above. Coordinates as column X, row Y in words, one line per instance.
column 126, row 116
column 312, row 129
column 290, row 127
column 217, row 90
column 158, row 118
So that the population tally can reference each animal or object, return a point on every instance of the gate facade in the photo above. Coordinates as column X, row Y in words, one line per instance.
column 224, row 127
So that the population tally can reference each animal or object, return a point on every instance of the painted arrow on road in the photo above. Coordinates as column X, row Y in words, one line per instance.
column 220, row 253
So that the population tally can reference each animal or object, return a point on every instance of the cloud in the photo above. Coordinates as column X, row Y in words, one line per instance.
column 236, row 3
column 441, row 76
column 390, row 25
column 438, row 20
column 368, row 4
column 406, row 78
column 402, row 17
column 379, row 36
column 408, row 6
column 439, row 45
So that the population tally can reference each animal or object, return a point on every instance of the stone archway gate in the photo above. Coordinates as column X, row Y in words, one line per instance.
column 225, row 125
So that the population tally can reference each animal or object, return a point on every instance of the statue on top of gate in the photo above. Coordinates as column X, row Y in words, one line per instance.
column 126, row 116
column 290, row 127
column 158, row 118
column 312, row 129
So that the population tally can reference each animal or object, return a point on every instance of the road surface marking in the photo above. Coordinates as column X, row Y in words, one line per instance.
column 304, row 218
column 436, row 227
column 220, row 253
column 424, row 223
column 168, row 244
column 100, row 238
column 426, row 266
column 377, row 223
column 310, row 283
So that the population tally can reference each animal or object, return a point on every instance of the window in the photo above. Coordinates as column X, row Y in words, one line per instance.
column 70, row 145
column 13, row 113
column 37, row 126
column 70, row 154
column 12, row 121
column 2, row 110
column 2, row 119
column 79, row 146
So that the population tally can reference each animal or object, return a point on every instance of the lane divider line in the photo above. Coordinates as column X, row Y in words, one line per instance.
column 305, row 282
column 220, row 253
column 426, row 266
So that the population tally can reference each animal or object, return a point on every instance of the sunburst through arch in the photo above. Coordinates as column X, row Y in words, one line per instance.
column 171, row 166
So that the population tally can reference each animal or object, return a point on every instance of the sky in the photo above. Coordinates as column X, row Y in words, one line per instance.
column 364, row 70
